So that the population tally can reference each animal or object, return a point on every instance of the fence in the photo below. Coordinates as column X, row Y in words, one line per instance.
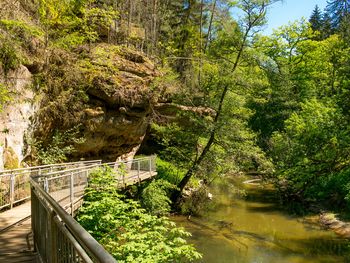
column 55, row 198
column 58, row 237
column 14, row 184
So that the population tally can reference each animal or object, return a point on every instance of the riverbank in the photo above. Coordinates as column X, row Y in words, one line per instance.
column 255, row 227
column 330, row 221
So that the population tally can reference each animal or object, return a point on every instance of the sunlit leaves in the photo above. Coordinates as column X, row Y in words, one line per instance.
column 126, row 230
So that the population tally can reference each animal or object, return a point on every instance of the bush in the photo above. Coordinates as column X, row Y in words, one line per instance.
column 169, row 172
column 126, row 230
column 9, row 58
column 155, row 197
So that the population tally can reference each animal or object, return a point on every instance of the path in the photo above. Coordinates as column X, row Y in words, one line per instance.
column 16, row 243
column 16, row 240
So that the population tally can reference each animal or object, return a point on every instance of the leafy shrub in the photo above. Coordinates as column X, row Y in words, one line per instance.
column 169, row 172
column 9, row 58
column 126, row 230
column 312, row 154
column 21, row 28
column 155, row 197
column 62, row 144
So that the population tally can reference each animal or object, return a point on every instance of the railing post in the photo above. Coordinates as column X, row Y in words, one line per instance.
column 138, row 171
column 52, row 242
column 72, row 193
column 46, row 185
column 12, row 189
column 150, row 166
column 123, row 175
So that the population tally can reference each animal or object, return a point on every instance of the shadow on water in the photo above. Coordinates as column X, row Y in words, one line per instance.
column 257, row 228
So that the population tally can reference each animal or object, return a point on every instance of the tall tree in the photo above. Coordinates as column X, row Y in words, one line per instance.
column 316, row 19
column 254, row 17
column 338, row 10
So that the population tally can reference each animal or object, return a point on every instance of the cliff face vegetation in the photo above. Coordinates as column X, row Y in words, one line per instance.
column 223, row 98
column 92, row 99
column 104, row 92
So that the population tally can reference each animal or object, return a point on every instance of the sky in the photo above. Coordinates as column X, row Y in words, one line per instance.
column 290, row 10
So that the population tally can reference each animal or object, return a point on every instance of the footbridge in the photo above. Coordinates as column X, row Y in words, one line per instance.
column 38, row 205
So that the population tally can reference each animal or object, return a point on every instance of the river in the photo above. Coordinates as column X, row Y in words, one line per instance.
column 255, row 228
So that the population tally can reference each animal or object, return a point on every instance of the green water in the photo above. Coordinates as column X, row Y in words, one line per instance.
column 256, row 228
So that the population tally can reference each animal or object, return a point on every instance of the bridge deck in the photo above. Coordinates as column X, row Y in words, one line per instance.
column 16, row 244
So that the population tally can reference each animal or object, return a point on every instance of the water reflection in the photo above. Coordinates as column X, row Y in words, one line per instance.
column 256, row 228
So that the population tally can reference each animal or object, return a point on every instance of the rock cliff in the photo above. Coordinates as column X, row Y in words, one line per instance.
column 105, row 92
column 15, row 118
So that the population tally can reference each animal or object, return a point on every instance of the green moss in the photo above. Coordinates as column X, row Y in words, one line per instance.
column 9, row 56
column 21, row 28
column 70, row 41
column 11, row 160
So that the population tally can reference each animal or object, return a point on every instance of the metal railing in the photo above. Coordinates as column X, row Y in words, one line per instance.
column 57, row 195
column 14, row 184
column 57, row 236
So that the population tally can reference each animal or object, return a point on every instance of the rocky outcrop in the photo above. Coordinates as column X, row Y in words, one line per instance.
column 330, row 221
column 111, row 100
column 15, row 118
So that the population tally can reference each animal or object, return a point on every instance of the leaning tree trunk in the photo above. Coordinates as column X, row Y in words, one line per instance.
column 195, row 165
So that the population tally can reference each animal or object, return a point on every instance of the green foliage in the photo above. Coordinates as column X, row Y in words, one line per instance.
column 21, row 29
column 4, row 95
column 155, row 197
column 9, row 57
column 126, row 230
column 61, row 145
column 312, row 151
column 72, row 23
column 169, row 172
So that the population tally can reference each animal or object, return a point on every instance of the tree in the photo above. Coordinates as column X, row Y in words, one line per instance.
column 230, row 63
column 338, row 10
column 316, row 20
column 302, row 114
column 327, row 28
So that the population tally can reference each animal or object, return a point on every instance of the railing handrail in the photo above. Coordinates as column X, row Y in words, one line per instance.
column 76, row 169
column 33, row 168
column 79, row 233
column 132, row 161
column 49, row 206
column 79, row 169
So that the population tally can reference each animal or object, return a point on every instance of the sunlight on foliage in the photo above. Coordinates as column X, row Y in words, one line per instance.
column 126, row 230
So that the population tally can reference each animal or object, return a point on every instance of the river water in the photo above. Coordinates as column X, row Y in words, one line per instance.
column 255, row 228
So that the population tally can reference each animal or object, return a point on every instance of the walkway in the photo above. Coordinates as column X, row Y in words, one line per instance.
column 16, row 243
column 16, row 239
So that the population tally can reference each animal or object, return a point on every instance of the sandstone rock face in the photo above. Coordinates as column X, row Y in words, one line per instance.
column 15, row 118
column 118, row 100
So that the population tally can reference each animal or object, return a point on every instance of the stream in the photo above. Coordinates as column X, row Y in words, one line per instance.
column 255, row 228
